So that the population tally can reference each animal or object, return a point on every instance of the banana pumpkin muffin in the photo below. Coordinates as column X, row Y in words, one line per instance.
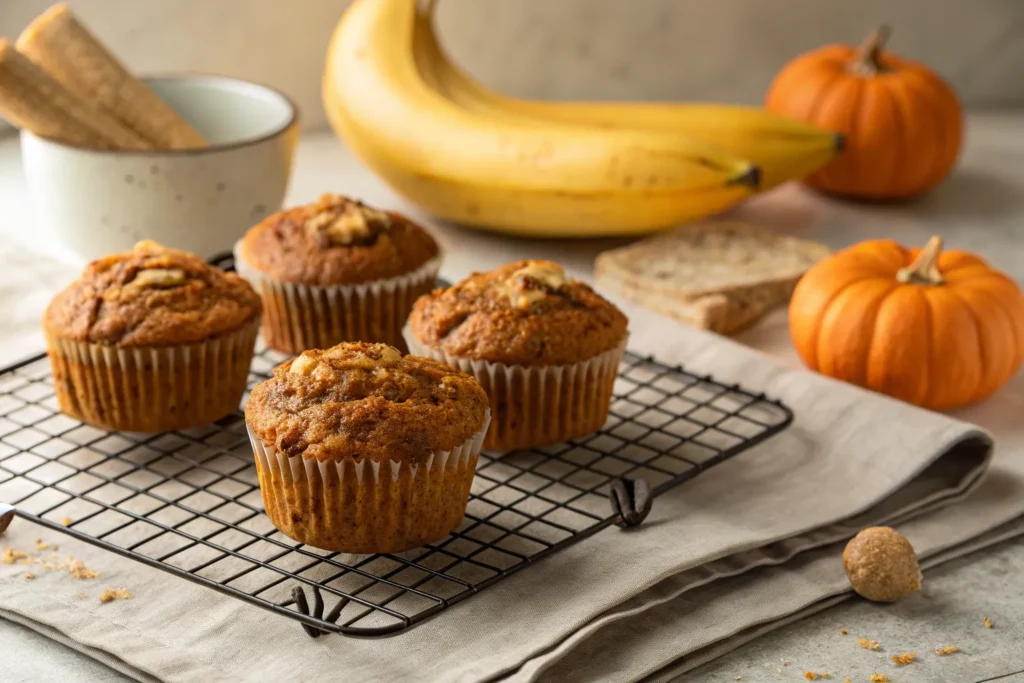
column 545, row 347
column 361, row 450
column 336, row 270
column 151, row 340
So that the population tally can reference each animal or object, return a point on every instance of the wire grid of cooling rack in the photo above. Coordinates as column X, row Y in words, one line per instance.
column 189, row 502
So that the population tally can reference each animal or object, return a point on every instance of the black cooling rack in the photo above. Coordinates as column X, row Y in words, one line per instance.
column 189, row 503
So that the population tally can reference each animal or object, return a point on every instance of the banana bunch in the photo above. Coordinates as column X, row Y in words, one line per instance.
column 462, row 153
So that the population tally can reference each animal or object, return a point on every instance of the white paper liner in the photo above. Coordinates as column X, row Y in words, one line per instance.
column 152, row 389
column 378, row 514
column 537, row 405
column 298, row 317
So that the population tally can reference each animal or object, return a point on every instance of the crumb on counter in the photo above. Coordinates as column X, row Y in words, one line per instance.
column 946, row 650
column 988, row 623
column 29, row 575
column 779, row 670
column 83, row 596
column 825, row 674
column 904, row 658
column 40, row 545
column 868, row 644
column 843, row 631
column 879, row 678
column 111, row 594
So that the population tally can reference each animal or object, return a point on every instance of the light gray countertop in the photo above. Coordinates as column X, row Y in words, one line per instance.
column 980, row 208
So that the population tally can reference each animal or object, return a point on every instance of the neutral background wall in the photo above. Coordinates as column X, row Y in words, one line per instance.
column 617, row 49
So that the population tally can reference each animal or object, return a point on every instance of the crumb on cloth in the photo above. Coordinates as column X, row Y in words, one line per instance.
column 10, row 556
column 111, row 594
column 78, row 570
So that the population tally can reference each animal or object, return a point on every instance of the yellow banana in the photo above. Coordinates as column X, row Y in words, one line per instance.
column 784, row 149
column 547, row 179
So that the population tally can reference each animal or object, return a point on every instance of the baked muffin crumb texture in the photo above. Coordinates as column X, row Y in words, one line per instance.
column 336, row 241
column 524, row 313
column 151, row 296
column 361, row 400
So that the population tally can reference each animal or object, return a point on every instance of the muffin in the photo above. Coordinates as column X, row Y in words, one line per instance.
column 336, row 270
column 151, row 340
column 545, row 347
column 361, row 450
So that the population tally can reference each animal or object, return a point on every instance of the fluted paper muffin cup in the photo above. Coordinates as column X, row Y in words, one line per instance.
column 152, row 389
column 363, row 506
column 299, row 317
column 537, row 405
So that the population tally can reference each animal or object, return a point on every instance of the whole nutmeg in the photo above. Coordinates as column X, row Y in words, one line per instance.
column 882, row 565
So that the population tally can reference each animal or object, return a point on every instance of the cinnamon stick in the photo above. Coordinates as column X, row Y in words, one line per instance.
column 64, row 48
column 31, row 99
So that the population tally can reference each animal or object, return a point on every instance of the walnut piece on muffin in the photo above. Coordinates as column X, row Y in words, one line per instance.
column 151, row 296
column 525, row 313
column 359, row 449
column 336, row 241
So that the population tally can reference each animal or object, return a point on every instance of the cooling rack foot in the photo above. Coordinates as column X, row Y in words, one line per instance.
column 631, row 501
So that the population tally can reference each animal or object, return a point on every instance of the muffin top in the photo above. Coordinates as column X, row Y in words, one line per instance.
column 151, row 296
column 336, row 241
column 360, row 400
column 524, row 313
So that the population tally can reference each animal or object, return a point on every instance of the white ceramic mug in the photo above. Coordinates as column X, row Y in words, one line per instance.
column 98, row 202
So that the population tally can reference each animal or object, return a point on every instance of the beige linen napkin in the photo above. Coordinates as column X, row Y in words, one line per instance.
column 683, row 623
column 846, row 455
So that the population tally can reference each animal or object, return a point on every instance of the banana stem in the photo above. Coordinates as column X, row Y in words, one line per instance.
column 867, row 60
column 924, row 270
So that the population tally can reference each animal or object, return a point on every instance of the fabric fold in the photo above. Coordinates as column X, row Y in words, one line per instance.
column 850, row 456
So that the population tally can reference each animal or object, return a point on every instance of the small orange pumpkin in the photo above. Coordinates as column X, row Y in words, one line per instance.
column 903, row 125
column 937, row 329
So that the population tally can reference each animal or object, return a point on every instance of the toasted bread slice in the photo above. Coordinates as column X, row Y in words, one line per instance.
column 717, row 275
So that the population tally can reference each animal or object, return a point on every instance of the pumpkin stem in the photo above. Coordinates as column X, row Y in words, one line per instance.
column 924, row 270
column 867, row 60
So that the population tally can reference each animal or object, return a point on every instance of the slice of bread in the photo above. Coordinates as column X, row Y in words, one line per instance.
column 717, row 275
